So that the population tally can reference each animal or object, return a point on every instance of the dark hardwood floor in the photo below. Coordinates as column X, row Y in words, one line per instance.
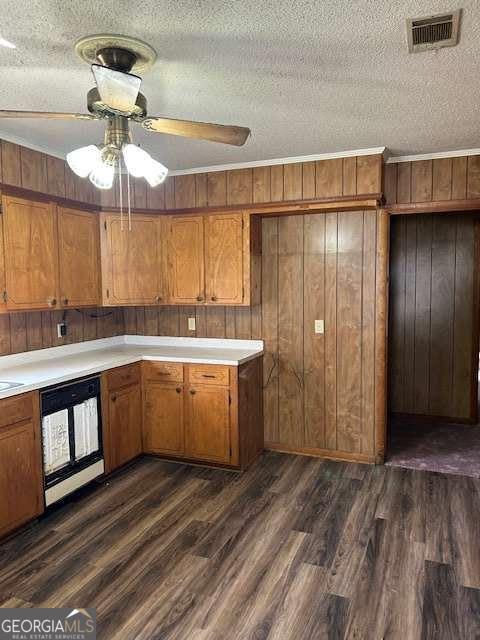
column 295, row 548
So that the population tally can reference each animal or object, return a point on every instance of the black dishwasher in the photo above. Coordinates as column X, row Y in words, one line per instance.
column 71, row 437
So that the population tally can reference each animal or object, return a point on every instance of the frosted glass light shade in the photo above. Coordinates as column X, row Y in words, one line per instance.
column 102, row 175
column 156, row 173
column 82, row 161
column 137, row 160
column 118, row 90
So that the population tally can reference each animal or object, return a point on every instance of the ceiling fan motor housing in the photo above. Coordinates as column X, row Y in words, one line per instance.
column 117, row 132
column 117, row 58
column 99, row 108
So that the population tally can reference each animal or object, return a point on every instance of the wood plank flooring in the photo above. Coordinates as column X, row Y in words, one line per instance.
column 295, row 548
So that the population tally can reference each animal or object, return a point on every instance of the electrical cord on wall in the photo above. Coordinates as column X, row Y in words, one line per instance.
column 94, row 316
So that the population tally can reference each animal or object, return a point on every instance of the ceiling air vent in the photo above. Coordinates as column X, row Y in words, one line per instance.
column 433, row 32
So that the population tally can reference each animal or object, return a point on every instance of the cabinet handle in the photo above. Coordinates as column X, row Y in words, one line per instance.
column 65, row 301
column 193, row 392
column 199, row 298
column 52, row 302
column 158, row 298
column 214, row 298
column 114, row 398
column 178, row 389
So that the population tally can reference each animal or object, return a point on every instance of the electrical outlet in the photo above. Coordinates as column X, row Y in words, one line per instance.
column 191, row 324
column 319, row 327
column 61, row 329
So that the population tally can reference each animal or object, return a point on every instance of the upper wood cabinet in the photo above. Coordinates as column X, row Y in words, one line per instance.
column 3, row 284
column 60, row 257
column 224, row 258
column 186, row 259
column 31, row 257
column 78, row 257
column 215, row 259
column 132, row 260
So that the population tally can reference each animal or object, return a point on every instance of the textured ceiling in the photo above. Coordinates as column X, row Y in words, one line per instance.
column 307, row 77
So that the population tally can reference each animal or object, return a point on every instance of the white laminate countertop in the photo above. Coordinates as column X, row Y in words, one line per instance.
column 46, row 367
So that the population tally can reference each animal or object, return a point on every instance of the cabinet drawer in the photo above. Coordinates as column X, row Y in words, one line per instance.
column 209, row 374
column 123, row 376
column 165, row 371
column 16, row 409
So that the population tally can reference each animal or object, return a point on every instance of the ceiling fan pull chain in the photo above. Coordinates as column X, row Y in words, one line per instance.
column 129, row 207
column 121, row 191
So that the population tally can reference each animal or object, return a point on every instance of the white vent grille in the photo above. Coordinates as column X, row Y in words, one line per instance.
column 433, row 32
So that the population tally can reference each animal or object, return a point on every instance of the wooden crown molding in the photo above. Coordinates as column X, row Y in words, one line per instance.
column 41, row 196
column 441, row 206
column 335, row 203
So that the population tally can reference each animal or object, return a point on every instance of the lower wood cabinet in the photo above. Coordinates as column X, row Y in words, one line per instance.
column 208, row 425
column 121, row 416
column 163, row 418
column 192, row 412
column 21, row 480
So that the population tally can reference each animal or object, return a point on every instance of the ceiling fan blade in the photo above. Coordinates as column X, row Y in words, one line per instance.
column 118, row 90
column 46, row 115
column 199, row 130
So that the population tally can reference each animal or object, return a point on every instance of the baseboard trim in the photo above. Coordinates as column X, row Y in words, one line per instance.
column 421, row 418
column 342, row 456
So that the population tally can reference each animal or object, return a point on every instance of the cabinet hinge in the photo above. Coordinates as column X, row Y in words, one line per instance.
column 4, row 296
column 229, row 399
column 105, row 225
column 243, row 223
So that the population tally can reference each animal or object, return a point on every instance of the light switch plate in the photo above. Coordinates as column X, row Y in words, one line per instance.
column 191, row 324
column 319, row 328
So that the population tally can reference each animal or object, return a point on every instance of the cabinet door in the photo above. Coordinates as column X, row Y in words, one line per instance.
column 187, row 259
column 124, row 426
column 208, row 423
column 163, row 426
column 21, row 484
column 224, row 258
column 3, row 284
column 31, row 257
column 78, row 257
column 131, row 261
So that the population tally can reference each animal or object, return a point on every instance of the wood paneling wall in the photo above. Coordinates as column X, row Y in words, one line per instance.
column 432, row 180
column 29, row 169
column 319, row 390
column 360, row 175
column 432, row 320
column 38, row 330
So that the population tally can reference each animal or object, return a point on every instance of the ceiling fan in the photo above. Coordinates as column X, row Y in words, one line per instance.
column 115, row 62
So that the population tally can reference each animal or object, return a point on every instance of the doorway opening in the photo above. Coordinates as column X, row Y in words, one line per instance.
column 433, row 357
